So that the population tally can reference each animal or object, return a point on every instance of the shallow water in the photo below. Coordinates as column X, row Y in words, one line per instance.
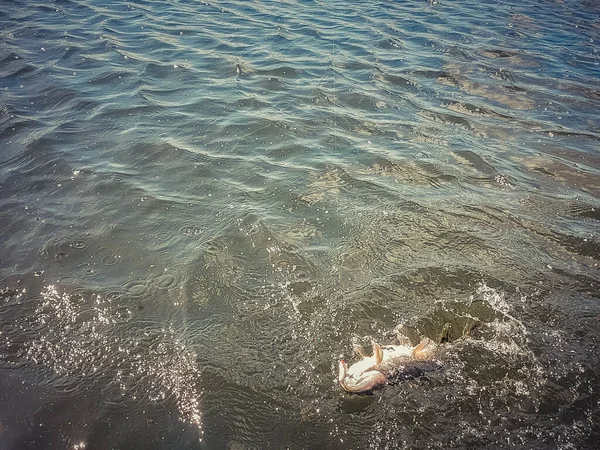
column 204, row 204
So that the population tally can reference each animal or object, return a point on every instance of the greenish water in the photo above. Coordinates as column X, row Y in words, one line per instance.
column 204, row 204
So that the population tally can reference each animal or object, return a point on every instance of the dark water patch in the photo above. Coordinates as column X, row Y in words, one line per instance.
column 477, row 162
column 503, row 74
column 461, row 123
column 358, row 100
column 460, row 241
column 499, row 53
column 391, row 44
column 576, row 176
column 504, row 95
column 452, row 50
column 247, row 249
column 72, row 53
column 483, row 214
column 401, row 82
column 441, row 76
column 273, row 85
column 580, row 245
column 577, row 89
column 288, row 153
column 59, row 249
column 15, row 131
column 584, row 211
column 14, row 67
column 586, row 159
column 570, row 134
column 473, row 110
column 412, row 172
column 486, row 173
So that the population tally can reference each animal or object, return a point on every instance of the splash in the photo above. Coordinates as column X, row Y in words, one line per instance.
column 490, row 378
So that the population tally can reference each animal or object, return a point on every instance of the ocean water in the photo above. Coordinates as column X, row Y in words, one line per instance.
column 204, row 204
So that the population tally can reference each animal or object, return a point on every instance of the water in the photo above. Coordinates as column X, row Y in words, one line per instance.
column 204, row 204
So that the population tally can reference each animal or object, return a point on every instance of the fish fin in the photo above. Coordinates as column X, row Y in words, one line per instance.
column 470, row 327
column 423, row 350
column 377, row 353
column 446, row 334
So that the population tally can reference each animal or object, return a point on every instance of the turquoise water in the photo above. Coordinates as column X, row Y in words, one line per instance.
column 204, row 204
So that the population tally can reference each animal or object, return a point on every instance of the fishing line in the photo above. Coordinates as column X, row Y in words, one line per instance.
column 334, row 100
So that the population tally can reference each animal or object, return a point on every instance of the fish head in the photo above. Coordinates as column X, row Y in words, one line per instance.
column 362, row 376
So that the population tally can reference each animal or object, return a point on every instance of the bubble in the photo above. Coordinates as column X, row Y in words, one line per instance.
column 191, row 231
column 79, row 244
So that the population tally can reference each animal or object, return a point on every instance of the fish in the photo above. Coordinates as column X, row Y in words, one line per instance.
column 390, row 363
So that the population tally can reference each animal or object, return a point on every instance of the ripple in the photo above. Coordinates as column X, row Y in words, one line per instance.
column 79, row 244
column 165, row 282
column 106, row 255
column 60, row 248
column 88, row 270
column 137, row 289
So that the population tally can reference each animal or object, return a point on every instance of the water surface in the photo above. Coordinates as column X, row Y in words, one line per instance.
column 204, row 204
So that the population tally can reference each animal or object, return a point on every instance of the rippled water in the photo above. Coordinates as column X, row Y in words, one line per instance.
column 204, row 204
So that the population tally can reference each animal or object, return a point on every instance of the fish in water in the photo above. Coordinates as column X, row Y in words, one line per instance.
column 390, row 362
